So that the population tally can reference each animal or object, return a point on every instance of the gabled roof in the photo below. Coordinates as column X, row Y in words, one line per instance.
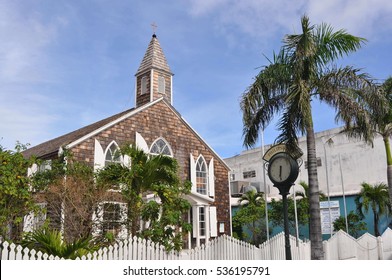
column 154, row 58
column 72, row 139
column 52, row 146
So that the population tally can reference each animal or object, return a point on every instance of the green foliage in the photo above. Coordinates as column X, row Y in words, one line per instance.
column 354, row 222
column 68, row 187
column 51, row 242
column 251, row 218
column 376, row 198
column 163, row 212
column 303, row 209
column 15, row 196
column 275, row 213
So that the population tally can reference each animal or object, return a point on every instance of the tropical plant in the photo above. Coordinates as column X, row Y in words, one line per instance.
column 163, row 212
column 16, row 199
column 251, row 216
column 304, row 71
column 379, row 123
column 50, row 241
column 354, row 222
column 376, row 198
column 302, row 205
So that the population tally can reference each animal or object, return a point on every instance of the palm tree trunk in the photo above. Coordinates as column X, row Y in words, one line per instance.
column 375, row 216
column 389, row 165
column 314, row 200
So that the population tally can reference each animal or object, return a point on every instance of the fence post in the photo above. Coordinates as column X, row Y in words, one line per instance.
column 326, row 250
column 380, row 248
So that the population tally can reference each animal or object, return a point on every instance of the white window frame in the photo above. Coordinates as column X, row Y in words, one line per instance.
column 98, row 219
column 33, row 221
column 112, row 154
column 166, row 145
column 210, row 190
column 201, row 176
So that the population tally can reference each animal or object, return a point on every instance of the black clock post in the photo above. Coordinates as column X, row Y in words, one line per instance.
column 283, row 170
column 284, row 191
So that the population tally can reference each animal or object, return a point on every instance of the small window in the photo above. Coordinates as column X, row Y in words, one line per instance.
column 112, row 218
column 201, row 176
column 112, row 155
column 45, row 165
column 144, row 85
column 160, row 147
column 202, row 222
column 249, row 174
column 232, row 177
column 161, row 84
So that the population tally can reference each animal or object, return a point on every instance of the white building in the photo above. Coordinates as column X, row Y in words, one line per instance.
column 343, row 164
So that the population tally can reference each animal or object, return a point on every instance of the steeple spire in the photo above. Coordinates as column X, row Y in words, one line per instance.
column 154, row 77
column 154, row 58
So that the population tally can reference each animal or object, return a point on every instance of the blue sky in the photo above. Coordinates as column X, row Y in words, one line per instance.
column 66, row 64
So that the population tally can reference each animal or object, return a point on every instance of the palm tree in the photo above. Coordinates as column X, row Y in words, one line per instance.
column 375, row 198
column 303, row 71
column 380, row 123
column 146, row 173
column 51, row 242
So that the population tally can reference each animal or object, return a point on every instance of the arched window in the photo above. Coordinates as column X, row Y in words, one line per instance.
column 112, row 154
column 201, row 176
column 161, row 147
column 161, row 84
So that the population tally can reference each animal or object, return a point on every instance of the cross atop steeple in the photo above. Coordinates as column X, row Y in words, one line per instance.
column 154, row 27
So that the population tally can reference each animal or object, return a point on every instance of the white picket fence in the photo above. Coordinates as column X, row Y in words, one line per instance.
column 342, row 246
column 339, row 247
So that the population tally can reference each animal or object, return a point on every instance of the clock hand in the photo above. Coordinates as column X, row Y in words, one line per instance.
column 280, row 172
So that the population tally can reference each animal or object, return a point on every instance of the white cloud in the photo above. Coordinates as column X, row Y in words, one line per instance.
column 25, row 39
column 264, row 19
column 359, row 17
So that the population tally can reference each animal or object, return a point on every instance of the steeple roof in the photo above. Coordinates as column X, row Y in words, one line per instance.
column 154, row 58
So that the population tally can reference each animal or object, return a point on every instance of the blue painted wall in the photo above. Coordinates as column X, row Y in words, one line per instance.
column 351, row 206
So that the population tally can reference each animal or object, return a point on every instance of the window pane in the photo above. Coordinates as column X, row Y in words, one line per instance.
column 112, row 155
column 160, row 147
column 201, row 176
column 111, row 218
column 202, row 221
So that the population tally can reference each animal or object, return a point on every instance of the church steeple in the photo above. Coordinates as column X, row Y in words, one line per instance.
column 154, row 77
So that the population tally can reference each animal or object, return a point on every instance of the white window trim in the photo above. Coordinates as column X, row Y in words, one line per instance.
column 98, row 219
column 210, row 176
column 99, row 156
column 108, row 150
column 141, row 143
column 32, row 220
column 167, row 145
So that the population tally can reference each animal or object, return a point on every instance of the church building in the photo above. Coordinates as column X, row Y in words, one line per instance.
column 155, row 126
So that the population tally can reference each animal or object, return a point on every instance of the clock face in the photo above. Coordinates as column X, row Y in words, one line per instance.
column 280, row 169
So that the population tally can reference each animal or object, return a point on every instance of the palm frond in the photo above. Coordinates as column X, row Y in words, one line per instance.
column 264, row 98
column 333, row 45
column 356, row 99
